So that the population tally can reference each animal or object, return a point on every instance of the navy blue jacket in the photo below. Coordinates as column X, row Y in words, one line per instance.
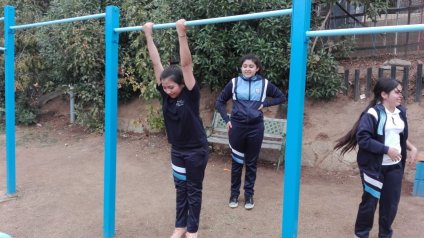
column 248, row 95
column 370, row 137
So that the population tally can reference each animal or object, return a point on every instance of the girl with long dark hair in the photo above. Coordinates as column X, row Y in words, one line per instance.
column 381, row 134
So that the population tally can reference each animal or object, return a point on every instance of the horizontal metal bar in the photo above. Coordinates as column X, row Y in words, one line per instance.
column 1, row 18
column 2, row 48
column 213, row 20
column 38, row 24
column 366, row 30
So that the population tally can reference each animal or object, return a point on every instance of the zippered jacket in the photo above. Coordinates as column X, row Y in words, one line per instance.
column 248, row 95
column 370, row 137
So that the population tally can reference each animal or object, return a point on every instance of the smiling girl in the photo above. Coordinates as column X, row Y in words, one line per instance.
column 184, row 128
column 381, row 134
column 249, row 93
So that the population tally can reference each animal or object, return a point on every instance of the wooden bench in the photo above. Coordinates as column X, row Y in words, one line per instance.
column 274, row 136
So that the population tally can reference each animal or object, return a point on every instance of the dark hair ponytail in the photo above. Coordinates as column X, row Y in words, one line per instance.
column 348, row 142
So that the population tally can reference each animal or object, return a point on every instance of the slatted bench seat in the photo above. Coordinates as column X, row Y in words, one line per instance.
column 274, row 136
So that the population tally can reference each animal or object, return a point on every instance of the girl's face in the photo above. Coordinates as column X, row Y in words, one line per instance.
column 171, row 88
column 249, row 69
column 392, row 99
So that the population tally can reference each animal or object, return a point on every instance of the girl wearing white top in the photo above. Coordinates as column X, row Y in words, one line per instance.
column 381, row 134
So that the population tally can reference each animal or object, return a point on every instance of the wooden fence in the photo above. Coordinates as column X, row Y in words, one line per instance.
column 343, row 14
column 362, row 86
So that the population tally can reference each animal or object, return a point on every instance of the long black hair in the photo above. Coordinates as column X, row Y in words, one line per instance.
column 348, row 142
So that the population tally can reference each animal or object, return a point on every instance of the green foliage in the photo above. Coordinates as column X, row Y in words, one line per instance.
column 73, row 54
column 373, row 8
column 217, row 48
column 25, row 114
column 155, row 119
column 323, row 81
column 136, row 73
column 29, row 67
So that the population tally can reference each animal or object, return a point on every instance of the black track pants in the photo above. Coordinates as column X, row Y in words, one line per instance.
column 188, row 167
column 245, row 143
column 385, row 190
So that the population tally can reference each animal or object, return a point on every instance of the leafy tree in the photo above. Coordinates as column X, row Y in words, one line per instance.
column 29, row 67
column 373, row 8
column 216, row 48
column 73, row 54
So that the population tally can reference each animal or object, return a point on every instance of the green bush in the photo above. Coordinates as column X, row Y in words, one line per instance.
column 25, row 114
column 155, row 119
column 29, row 67
column 73, row 54
column 323, row 81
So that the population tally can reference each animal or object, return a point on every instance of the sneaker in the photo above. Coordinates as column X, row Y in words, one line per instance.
column 233, row 202
column 248, row 203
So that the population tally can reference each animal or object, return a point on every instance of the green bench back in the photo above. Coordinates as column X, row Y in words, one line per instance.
column 274, row 128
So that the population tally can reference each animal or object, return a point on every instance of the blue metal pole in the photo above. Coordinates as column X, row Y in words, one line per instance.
column 298, row 59
column 111, row 109
column 66, row 20
column 367, row 30
column 9, row 72
column 244, row 17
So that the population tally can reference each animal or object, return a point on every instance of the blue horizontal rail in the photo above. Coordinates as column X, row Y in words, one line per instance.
column 2, row 48
column 213, row 20
column 366, row 30
column 38, row 24
column 1, row 18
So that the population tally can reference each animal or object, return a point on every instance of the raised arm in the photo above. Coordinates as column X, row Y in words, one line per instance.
column 153, row 51
column 185, row 55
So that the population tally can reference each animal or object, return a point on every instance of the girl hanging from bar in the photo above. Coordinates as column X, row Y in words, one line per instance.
column 184, row 128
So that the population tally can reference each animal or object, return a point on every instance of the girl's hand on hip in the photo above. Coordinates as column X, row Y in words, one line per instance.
column 394, row 154
column 229, row 126
column 260, row 108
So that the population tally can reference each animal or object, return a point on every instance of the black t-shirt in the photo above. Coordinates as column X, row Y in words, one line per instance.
column 183, row 124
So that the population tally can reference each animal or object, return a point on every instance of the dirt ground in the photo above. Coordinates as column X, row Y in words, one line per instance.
column 60, row 189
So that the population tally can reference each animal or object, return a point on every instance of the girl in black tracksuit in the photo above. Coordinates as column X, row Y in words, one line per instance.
column 184, row 128
column 245, row 126
column 382, row 136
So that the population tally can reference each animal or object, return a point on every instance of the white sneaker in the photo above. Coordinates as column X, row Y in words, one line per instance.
column 249, row 204
column 233, row 202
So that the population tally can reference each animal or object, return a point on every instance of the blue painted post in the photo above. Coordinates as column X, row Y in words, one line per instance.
column 111, row 109
column 418, row 189
column 9, row 72
column 301, row 16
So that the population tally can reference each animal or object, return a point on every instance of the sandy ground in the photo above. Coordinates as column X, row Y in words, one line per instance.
column 60, row 192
